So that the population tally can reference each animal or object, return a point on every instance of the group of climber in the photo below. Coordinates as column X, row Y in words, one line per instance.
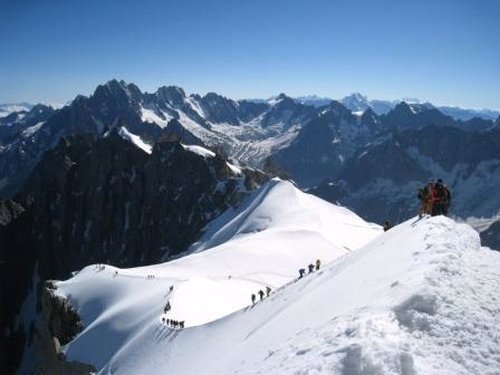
column 435, row 199
column 173, row 323
column 311, row 267
column 261, row 294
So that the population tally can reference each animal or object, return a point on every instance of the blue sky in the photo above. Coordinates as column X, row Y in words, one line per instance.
column 444, row 51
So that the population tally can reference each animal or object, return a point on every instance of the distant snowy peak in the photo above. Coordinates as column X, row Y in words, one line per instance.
column 356, row 102
column 314, row 100
column 202, row 151
column 468, row 114
column 7, row 109
column 274, row 100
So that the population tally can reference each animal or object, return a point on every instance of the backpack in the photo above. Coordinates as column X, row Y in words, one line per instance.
column 440, row 191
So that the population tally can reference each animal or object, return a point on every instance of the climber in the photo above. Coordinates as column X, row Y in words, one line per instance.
column 311, row 268
column 167, row 307
column 261, row 294
column 387, row 225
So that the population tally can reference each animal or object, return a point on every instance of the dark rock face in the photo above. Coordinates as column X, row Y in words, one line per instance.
column 311, row 156
column 450, row 146
column 384, row 161
column 107, row 200
column 404, row 116
column 491, row 236
column 17, row 262
column 220, row 109
column 288, row 112
column 61, row 319
column 58, row 324
column 325, row 143
column 9, row 210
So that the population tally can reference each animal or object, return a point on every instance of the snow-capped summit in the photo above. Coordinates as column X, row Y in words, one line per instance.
column 356, row 102
column 314, row 100
column 8, row 108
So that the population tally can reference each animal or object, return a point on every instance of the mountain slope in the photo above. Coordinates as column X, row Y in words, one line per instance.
column 276, row 231
column 421, row 298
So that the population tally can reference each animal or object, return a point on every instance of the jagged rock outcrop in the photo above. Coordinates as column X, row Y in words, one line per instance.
column 58, row 325
column 491, row 236
column 9, row 210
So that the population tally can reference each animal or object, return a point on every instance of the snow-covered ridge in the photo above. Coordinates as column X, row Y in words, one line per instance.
column 135, row 139
column 28, row 132
column 275, row 233
column 421, row 298
column 149, row 115
column 202, row 151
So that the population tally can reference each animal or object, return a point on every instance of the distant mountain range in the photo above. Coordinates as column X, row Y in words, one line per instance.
column 359, row 103
column 355, row 102
column 344, row 151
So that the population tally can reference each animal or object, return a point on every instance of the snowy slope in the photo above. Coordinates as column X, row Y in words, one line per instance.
column 135, row 139
column 420, row 298
column 276, row 231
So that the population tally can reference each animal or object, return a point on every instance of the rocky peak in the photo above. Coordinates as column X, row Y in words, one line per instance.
column 402, row 110
column 172, row 94
column 369, row 114
column 356, row 102
column 220, row 109
column 283, row 101
column 340, row 111
column 114, row 96
column 370, row 118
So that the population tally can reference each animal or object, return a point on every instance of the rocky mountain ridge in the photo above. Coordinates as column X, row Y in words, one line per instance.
column 311, row 144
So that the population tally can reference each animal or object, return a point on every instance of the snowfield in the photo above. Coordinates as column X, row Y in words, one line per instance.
column 135, row 139
column 422, row 298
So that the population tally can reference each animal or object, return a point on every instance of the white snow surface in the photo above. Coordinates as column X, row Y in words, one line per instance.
column 149, row 115
column 135, row 139
column 202, row 151
column 422, row 298
column 28, row 132
column 7, row 109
